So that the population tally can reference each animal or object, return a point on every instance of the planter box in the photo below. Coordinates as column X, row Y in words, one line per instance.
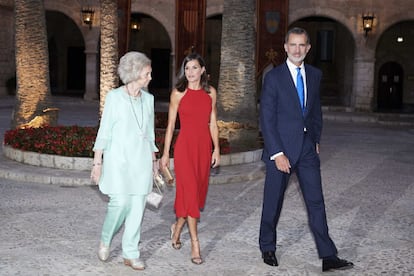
column 48, row 160
column 85, row 163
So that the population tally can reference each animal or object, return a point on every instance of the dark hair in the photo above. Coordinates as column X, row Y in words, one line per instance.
column 298, row 31
column 182, row 81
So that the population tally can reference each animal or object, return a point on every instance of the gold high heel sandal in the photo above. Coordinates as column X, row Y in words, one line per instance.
column 196, row 260
column 175, row 244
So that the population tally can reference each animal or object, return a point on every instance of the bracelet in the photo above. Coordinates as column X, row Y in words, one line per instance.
column 96, row 164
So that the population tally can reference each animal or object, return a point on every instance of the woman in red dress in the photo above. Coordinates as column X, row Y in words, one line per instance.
column 196, row 149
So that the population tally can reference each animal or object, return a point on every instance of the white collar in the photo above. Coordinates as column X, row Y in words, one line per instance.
column 292, row 67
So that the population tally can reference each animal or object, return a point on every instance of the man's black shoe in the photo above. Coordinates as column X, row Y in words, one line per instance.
column 336, row 263
column 269, row 258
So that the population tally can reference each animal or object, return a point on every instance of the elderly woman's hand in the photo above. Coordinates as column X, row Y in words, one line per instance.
column 155, row 167
column 96, row 173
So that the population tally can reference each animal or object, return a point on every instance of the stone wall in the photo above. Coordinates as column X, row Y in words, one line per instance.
column 357, row 93
column 362, row 67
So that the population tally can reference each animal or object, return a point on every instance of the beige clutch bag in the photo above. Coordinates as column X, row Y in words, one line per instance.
column 154, row 198
column 169, row 178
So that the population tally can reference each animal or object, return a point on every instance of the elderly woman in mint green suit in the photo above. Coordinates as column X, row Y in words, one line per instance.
column 124, row 156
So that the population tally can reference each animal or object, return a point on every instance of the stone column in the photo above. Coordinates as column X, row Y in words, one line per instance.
column 91, row 81
column 362, row 98
column 363, row 94
column 91, row 60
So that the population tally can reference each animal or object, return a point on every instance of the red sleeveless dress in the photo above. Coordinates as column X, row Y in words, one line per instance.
column 192, row 153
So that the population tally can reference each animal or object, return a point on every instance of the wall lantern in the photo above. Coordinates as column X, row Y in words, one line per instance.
column 367, row 22
column 87, row 16
column 135, row 23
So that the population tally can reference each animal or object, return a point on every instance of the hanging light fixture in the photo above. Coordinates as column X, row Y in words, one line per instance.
column 135, row 23
column 367, row 22
column 87, row 16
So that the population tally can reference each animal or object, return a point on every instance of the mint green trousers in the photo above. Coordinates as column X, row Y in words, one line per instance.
column 129, row 209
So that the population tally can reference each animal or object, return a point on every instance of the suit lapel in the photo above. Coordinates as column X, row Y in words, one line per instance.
column 309, row 88
column 291, row 88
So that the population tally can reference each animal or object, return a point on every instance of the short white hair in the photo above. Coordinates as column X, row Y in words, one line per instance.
column 131, row 65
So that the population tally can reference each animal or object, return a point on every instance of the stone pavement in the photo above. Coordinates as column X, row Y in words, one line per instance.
column 367, row 171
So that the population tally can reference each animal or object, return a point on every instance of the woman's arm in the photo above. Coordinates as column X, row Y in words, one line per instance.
column 172, row 117
column 103, row 137
column 215, row 158
column 96, row 166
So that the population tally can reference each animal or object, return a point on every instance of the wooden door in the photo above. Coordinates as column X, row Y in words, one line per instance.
column 390, row 86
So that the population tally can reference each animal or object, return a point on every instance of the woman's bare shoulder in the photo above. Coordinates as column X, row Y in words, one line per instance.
column 178, row 94
column 212, row 88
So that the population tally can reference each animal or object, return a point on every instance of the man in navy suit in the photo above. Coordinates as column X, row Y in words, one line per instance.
column 291, row 124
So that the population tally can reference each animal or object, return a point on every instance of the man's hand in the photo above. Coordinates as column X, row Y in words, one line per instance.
column 282, row 163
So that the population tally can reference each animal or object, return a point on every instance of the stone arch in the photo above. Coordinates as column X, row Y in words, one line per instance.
column 69, row 8
column 213, row 10
column 166, row 17
column 334, row 58
column 388, row 51
column 167, row 21
column 349, row 23
column 72, row 9
column 66, row 54
column 152, row 39
column 392, row 19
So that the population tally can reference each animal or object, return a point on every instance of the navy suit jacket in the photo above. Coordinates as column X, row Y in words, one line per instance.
column 281, row 119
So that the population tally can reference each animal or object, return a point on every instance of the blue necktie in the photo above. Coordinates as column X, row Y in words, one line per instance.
column 300, row 88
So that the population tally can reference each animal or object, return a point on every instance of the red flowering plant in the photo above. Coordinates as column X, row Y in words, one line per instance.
column 77, row 141
column 72, row 141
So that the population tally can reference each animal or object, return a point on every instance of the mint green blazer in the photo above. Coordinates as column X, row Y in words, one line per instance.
column 127, row 138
